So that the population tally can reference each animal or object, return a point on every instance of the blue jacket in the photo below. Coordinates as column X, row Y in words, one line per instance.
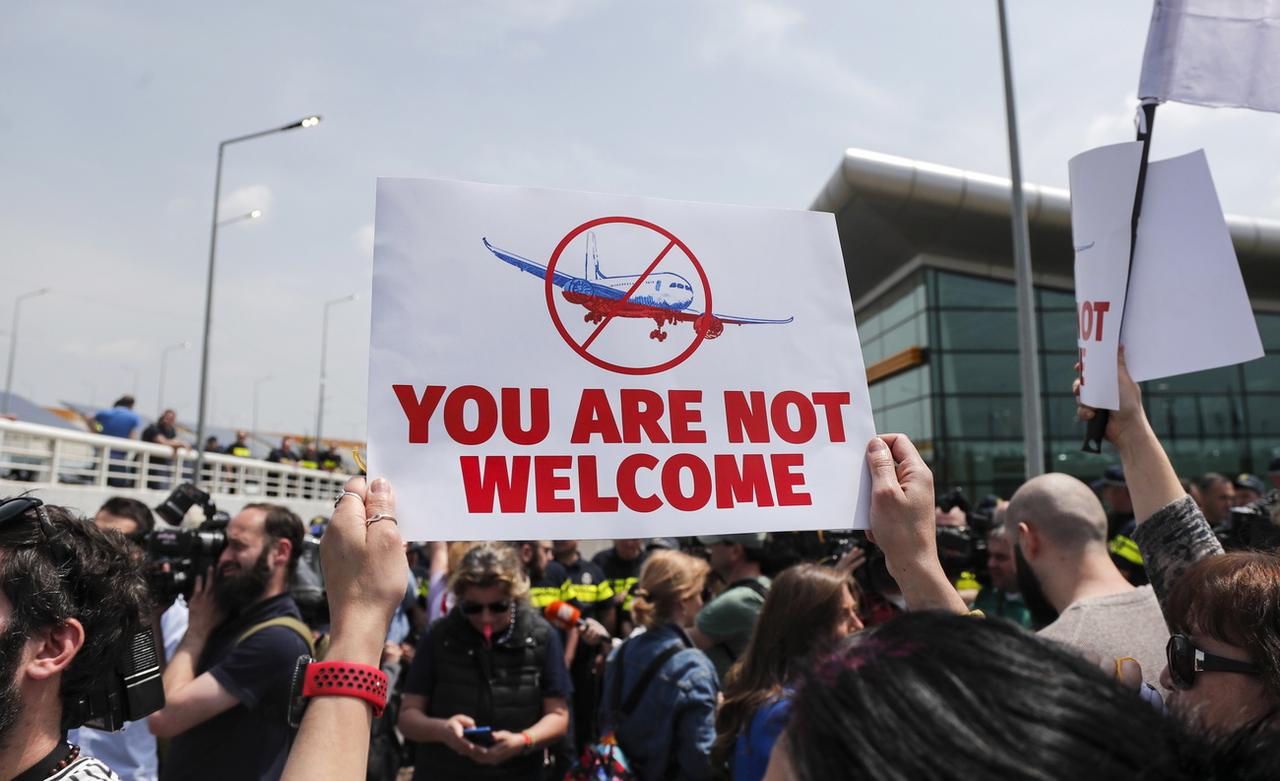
column 670, row 732
column 755, row 744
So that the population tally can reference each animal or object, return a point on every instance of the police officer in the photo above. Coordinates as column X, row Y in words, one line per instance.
column 240, row 447
column 589, row 590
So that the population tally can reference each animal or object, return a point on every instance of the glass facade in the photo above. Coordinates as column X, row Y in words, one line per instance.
column 963, row 408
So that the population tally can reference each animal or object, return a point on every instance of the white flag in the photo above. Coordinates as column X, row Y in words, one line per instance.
column 1222, row 53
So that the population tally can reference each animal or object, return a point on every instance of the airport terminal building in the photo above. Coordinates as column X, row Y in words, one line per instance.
column 928, row 252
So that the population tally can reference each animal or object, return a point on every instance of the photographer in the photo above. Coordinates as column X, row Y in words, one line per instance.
column 131, row 750
column 227, row 686
column 71, row 601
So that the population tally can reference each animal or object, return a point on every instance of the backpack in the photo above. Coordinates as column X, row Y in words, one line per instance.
column 299, row 628
column 604, row 760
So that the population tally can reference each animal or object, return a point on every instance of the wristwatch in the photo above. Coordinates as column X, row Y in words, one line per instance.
column 312, row 678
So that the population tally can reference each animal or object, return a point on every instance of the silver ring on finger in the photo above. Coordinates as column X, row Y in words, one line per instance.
column 380, row 517
column 347, row 493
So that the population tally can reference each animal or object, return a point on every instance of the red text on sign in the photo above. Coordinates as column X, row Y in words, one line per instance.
column 1092, row 312
column 418, row 411
column 565, row 484
column 750, row 418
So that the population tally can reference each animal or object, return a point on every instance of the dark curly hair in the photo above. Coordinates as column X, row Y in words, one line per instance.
column 83, row 573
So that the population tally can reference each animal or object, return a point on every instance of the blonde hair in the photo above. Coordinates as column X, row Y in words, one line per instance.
column 487, row 564
column 667, row 578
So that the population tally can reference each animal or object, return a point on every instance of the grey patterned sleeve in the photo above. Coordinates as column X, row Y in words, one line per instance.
column 1171, row 540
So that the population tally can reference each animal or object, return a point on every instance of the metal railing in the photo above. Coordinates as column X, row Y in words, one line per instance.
column 45, row 456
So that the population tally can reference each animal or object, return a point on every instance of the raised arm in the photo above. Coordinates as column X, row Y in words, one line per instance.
column 1172, row 532
column 364, row 570
column 903, row 523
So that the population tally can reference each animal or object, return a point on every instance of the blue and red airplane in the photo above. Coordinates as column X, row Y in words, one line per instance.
column 664, row 297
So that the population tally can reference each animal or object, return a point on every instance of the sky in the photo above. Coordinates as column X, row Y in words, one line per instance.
column 112, row 116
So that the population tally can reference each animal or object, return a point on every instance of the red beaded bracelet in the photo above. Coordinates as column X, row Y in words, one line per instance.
column 347, row 679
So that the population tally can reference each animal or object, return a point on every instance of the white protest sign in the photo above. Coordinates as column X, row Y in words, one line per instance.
column 1188, row 308
column 1103, row 184
column 552, row 364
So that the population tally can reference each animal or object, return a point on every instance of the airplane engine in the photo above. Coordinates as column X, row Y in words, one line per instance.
column 578, row 291
column 708, row 326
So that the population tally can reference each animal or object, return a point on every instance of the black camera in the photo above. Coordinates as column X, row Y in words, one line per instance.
column 131, row 691
column 1251, row 527
column 175, row 506
column 175, row 557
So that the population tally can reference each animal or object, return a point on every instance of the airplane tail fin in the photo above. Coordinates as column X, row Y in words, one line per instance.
column 591, row 260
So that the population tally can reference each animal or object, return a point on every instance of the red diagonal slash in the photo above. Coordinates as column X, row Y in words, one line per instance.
column 627, row 297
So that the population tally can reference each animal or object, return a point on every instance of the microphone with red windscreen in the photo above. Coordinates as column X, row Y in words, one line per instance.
column 563, row 615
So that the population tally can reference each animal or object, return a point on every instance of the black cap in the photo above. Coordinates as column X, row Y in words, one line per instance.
column 1250, row 482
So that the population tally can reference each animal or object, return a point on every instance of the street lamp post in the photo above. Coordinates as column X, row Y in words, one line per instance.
column 1028, row 349
column 164, row 362
column 311, row 121
column 324, row 349
column 13, row 344
column 257, row 386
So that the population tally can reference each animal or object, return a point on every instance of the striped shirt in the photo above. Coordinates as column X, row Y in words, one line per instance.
column 84, row 769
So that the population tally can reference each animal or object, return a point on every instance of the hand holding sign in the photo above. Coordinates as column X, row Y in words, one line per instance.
column 1122, row 422
column 903, row 523
column 522, row 382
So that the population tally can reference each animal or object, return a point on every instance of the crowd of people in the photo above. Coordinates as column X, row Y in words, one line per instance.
column 1129, row 629
column 120, row 420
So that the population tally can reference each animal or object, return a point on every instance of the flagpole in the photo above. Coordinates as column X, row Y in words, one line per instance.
column 1098, row 425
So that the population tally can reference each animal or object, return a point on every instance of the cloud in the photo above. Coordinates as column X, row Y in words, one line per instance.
column 1113, row 126
column 244, row 200
column 767, row 36
column 115, row 350
column 480, row 24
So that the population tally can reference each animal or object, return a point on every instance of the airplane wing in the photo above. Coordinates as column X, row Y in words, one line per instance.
column 731, row 319
column 533, row 267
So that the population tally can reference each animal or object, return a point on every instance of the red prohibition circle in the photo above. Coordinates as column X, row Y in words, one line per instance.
column 549, row 288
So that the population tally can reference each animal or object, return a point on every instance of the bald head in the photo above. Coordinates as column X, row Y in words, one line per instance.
column 1065, row 513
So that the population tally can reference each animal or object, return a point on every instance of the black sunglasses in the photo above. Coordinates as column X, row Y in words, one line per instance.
column 1185, row 660
column 474, row 608
column 12, row 510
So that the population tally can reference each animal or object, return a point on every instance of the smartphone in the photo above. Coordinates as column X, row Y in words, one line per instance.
column 481, row 736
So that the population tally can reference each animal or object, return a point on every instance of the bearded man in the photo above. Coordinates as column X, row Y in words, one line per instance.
column 227, row 685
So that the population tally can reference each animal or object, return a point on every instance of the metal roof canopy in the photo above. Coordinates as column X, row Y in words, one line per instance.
column 895, row 214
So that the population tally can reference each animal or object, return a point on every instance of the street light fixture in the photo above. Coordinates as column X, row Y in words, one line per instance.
column 253, row 215
column 324, row 349
column 305, row 122
column 13, row 344
column 164, row 362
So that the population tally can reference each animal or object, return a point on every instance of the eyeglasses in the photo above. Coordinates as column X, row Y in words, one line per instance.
column 1185, row 660
column 14, row 509
column 495, row 608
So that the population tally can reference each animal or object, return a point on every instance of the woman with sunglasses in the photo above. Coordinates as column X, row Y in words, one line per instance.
column 1224, row 608
column 488, row 689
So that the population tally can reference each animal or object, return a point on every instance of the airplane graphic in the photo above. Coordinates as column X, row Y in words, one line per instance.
column 663, row 296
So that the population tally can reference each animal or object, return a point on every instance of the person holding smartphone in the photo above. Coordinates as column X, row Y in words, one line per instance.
column 488, row 689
